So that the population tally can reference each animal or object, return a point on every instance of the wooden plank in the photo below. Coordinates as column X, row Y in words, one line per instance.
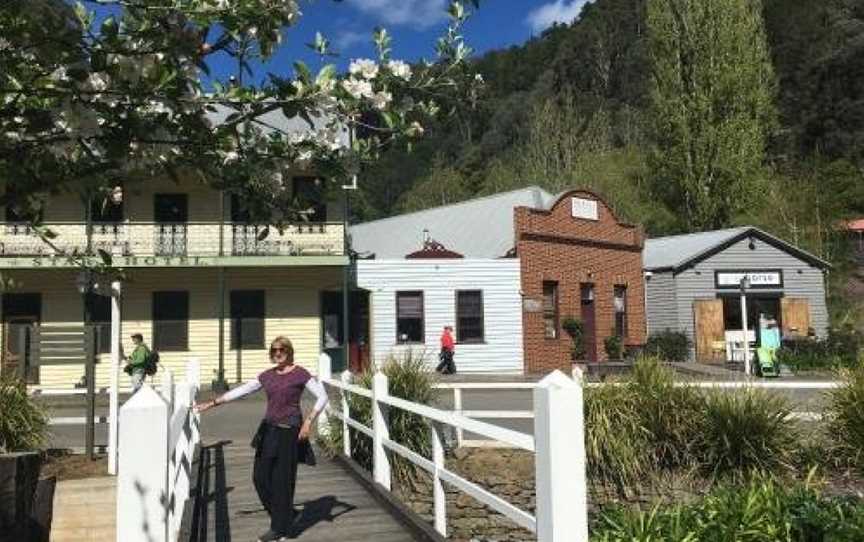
column 708, row 319
column 795, row 316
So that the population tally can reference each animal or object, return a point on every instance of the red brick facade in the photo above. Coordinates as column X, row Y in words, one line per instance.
column 554, row 246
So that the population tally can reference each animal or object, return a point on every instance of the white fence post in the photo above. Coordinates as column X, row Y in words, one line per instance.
column 380, row 431
column 325, row 373
column 113, row 400
column 143, row 468
column 559, row 433
column 457, row 407
column 346, row 413
column 440, row 497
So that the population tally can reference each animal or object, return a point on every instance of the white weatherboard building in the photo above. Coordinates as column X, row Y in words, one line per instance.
column 475, row 289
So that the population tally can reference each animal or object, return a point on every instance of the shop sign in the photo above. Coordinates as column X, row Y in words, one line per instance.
column 584, row 208
column 758, row 279
column 54, row 262
column 532, row 305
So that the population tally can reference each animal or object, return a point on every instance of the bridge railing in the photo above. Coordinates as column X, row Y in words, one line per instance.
column 558, row 444
column 158, row 436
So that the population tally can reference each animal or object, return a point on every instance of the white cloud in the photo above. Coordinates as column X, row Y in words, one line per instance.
column 418, row 13
column 559, row 11
column 349, row 38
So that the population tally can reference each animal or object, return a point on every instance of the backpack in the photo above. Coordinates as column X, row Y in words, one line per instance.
column 151, row 363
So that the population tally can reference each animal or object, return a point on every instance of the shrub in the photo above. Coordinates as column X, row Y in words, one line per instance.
column 409, row 378
column 615, row 440
column 670, row 415
column 669, row 345
column 746, row 429
column 614, row 346
column 23, row 421
column 762, row 510
column 844, row 416
column 842, row 348
column 576, row 330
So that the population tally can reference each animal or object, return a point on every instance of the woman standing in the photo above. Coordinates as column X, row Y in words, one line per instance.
column 279, row 435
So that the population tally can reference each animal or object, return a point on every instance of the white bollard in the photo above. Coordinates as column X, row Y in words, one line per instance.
column 142, row 468
column 559, row 434
column 380, row 431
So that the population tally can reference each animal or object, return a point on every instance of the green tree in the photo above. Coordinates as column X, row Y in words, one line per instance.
column 712, row 107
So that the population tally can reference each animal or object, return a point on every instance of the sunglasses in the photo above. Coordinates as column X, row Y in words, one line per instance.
column 278, row 349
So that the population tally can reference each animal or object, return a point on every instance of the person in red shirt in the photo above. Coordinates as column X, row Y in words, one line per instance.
column 448, row 347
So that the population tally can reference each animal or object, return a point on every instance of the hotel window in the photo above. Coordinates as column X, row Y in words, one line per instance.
column 469, row 316
column 620, row 302
column 247, row 319
column 550, row 309
column 409, row 317
column 170, row 321
column 309, row 196
column 99, row 316
column 105, row 209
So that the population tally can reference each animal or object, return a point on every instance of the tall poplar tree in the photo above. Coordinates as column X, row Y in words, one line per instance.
column 712, row 107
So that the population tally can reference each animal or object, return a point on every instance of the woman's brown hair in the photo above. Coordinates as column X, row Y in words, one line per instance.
column 285, row 343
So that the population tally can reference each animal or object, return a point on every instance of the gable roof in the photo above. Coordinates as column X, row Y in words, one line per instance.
column 476, row 228
column 678, row 252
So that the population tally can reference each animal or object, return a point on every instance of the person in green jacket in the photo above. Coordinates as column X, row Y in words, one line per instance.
column 137, row 361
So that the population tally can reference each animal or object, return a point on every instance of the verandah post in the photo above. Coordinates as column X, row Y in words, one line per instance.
column 380, row 431
column 559, row 433
column 324, row 374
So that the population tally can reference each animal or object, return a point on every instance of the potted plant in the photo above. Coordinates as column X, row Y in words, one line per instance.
column 23, row 430
column 614, row 346
column 576, row 330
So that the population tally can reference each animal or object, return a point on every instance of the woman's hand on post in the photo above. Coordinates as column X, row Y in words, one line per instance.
column 201, row 407
column 305, row 429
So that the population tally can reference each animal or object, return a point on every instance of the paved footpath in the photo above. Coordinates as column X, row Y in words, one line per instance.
column 85, row 510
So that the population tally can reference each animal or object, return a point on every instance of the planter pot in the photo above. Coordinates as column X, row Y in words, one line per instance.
column 19, row 476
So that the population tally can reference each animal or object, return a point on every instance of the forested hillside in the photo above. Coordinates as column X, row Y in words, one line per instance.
column 685, row 114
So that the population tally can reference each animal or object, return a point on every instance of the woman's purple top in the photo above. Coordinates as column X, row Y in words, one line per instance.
column 283, row 393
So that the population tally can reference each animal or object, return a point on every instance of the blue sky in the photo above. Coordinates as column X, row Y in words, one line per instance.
column 414, row 24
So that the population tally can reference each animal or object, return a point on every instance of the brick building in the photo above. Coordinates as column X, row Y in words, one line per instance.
column 577, row 261
column 528, row 261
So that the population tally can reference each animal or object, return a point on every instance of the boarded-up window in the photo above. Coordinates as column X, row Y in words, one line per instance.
column 171, row 321
column 99, row 314
column 409, row 317
column 247, row 319
column 620, row 303
column 550, row 309
column 469, row 316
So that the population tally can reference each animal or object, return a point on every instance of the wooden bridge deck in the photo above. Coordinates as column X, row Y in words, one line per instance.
column 333, row 506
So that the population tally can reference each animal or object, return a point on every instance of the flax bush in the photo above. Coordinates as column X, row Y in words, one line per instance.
column 23, row 420
column 409, row 378
column 746, row 429
column 761, row 510
column 844, row 415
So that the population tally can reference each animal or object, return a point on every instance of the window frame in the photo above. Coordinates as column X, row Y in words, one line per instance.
column 556, row 310
column 482, row 317
column 422, row 318
column 625, row 323
column 156, row 333
column 235, row 342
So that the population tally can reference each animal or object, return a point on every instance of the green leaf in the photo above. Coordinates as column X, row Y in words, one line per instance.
column 106, row 258
column 302, row 72
column 263, row 233
column 327, row 73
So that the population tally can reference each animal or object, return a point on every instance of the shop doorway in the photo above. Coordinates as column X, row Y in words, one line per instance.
column 589, row 321
column 332, row 330
column 21, row 312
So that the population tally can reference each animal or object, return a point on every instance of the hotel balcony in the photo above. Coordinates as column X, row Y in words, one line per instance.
column 133, row 240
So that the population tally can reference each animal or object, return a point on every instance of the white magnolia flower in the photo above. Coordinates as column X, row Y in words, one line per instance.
column 230, row 156
column 399, row 69
column 365, row 68
column 357, row 89
column 381, row 100
column 415, row 129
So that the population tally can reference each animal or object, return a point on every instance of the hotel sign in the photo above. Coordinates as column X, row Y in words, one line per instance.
column 758, row 279
column 121, row 262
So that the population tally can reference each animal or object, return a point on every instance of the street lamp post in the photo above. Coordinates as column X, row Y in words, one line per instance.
column 745, row 283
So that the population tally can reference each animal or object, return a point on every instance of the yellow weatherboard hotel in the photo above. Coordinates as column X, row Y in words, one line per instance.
column 179, row 245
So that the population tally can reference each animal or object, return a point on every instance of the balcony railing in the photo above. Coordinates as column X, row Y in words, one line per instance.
column 177, row 239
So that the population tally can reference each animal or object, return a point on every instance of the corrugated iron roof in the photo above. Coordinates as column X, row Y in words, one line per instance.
column 476, row 228
column 677, row 251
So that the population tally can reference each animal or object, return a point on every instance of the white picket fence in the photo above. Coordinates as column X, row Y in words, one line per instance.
column 558, row 444
column 158, row 436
